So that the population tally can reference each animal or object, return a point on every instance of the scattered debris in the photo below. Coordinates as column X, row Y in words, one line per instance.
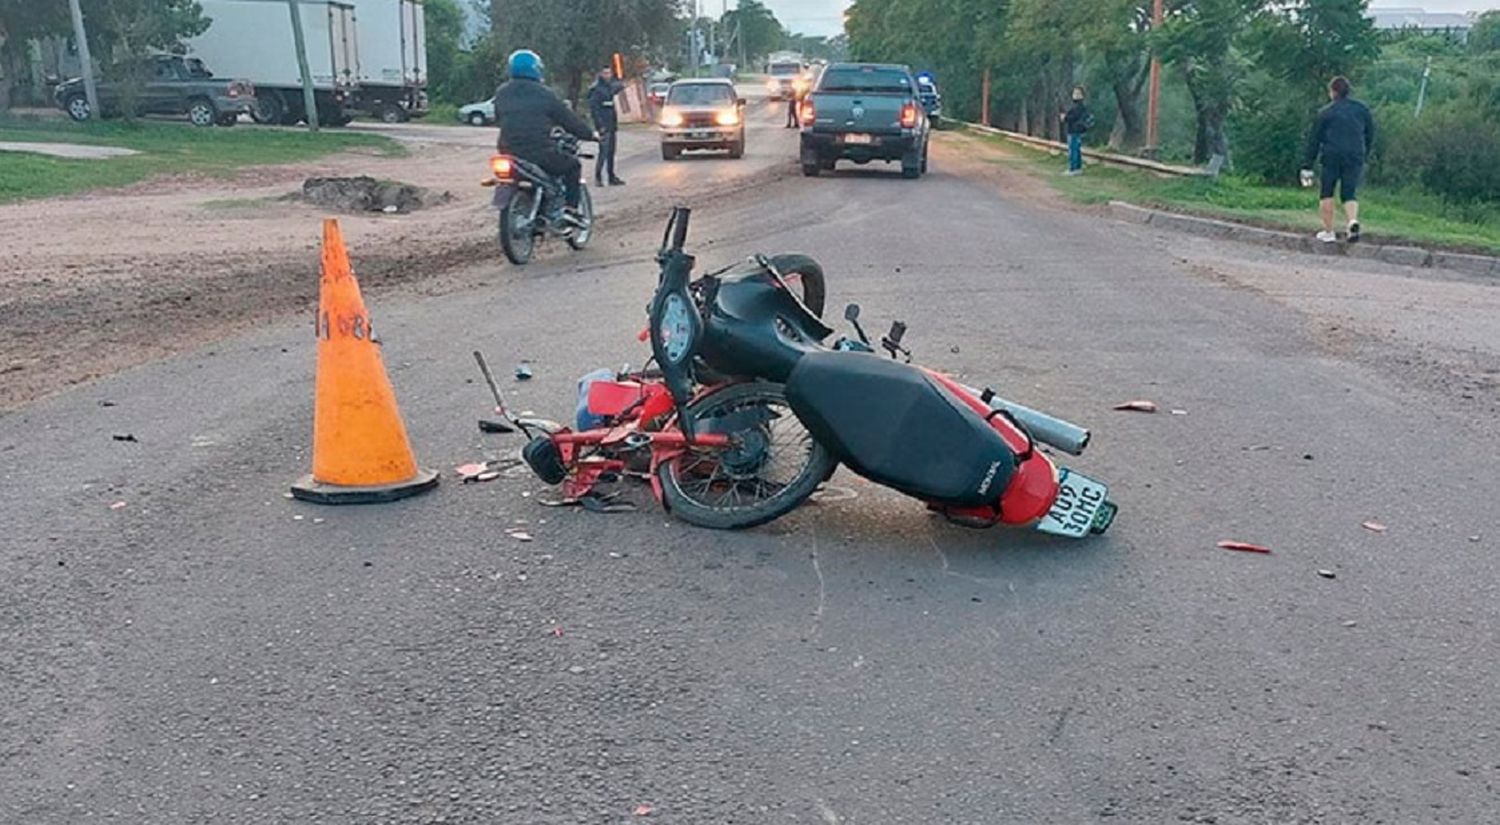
column 953, row 349
column 645, row 810
column 119, row 505
column 485, row 470
column 468, row 471
column 1374, row 526
column 576, row 669
column 126, row 437
column 489, row 426
column 1179, row 412
column 1137, row 406
column 106, row 403
column 557, row 630
column 1474, row 538
column 519, row 535
column 1257, row 448
column 287, row 496
column 1243, row 547
column 826, row 494
column 1327, row 574
column 319, row 520
column 390, row 209
column 523, row 371
column 490, row 475
column 1351, row 623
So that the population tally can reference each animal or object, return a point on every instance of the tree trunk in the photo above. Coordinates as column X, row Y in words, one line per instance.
column 1130, row 126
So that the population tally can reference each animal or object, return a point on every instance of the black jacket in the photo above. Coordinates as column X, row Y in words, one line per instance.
column 526, row 112
column 1344, row 131
column 1078, row 119
column 602, row 104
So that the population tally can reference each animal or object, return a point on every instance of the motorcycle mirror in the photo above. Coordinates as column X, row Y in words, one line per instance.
column 851, row 313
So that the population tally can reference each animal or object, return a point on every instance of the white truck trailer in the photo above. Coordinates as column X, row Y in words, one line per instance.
column 364, row 55
column 392, row 71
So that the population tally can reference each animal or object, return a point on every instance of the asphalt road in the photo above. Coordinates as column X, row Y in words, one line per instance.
column 212, row 652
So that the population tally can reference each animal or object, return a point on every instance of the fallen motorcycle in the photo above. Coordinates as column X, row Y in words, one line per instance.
column 749, row 411
column 530, row 203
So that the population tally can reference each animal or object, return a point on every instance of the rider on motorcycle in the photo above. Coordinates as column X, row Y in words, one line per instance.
column 527, row 111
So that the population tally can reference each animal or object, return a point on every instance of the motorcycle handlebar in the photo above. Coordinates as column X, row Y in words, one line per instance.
column 680, row 218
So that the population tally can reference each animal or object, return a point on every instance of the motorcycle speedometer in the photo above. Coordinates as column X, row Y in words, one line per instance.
column 676, row 328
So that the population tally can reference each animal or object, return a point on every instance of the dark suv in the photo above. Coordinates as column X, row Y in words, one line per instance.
column 169, row 85
column 864, row 112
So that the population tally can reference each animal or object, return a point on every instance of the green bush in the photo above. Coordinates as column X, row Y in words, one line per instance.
column 1453, row 153
column 1267, row 132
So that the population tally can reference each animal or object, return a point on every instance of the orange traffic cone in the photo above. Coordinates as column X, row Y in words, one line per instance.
column 360, row 451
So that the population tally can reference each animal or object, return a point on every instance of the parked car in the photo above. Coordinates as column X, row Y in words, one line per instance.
column 864, row 112
column 702, row 114
column 171, row 85
column 657, row 94
column 478, row 114
column 932, row 99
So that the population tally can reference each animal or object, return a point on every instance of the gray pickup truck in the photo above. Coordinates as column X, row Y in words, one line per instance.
column 168, row 85
column 864, row 112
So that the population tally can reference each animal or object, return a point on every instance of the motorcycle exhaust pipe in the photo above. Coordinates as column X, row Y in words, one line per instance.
column 1065, row 436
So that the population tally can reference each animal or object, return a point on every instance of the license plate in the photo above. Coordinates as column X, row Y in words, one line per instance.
column 1080, row 501
column 701, row 135
column 859, row 139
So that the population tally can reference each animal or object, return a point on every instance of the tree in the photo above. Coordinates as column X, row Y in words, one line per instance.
column 1117, row 33
column 1484, row 38
column 20, row 22
column 577, row 38
column 758, row 31
column 1200, row 38
column 449, row 76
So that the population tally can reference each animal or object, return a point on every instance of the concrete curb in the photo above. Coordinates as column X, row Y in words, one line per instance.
column 1296, row 242
column 1102, row 157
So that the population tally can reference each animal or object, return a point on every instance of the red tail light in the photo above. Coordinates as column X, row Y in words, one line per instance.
column 807, row 114
column 502, row 166
column 909, row 116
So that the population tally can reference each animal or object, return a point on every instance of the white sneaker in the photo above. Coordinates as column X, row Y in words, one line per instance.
column 1327, row 237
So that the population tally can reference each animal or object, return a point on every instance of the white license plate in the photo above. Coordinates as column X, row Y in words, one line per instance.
column 859, row 139
column 1079, row 499
column 700, row 135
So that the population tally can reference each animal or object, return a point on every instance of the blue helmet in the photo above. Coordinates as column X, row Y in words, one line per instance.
column 525, row 63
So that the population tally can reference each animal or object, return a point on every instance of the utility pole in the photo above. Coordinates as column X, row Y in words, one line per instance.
column 984, row 98
column 81, row 37
column 309, row 100
column 1153, row 99
column 1422, row 92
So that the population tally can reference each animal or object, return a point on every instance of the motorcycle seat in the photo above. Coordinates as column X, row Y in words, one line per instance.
column 893, row 424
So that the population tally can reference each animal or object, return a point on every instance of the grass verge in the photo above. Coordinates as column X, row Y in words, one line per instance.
column 165, row 148
column 1386, row 216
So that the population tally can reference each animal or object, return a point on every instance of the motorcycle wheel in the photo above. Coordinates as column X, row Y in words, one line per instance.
column 804, row 273
column 580, row 236
column 771, row 469
column 516, row 238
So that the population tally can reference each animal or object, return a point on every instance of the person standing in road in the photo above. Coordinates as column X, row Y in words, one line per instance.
column 1077, row 120
column 607, row 123
column 1342, row 135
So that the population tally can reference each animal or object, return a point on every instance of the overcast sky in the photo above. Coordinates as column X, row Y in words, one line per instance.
column 826, row 17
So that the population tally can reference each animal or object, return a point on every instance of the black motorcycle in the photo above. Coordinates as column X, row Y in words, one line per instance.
column 530, row 201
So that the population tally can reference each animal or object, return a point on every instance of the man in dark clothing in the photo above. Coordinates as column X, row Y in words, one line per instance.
column 1076, row 122
column 527, row 111
column 606, row 123
column 1342, row 135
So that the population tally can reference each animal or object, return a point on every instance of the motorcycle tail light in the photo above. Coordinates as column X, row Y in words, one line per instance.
column 808, row 112
column 502, row 166
column 909, row 116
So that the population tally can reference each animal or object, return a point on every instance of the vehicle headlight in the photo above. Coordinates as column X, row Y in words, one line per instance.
column 671, row 118
column 727, row 118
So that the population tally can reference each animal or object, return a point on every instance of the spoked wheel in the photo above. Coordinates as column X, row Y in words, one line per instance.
column 579, row 238
column 772, row 465
column 516, row 237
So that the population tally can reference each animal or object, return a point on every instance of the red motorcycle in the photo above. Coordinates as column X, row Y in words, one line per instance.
column 749, row 411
